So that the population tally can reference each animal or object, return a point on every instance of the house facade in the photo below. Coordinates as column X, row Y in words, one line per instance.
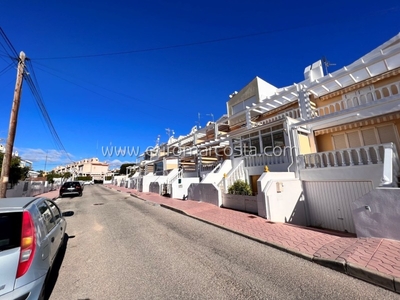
column 310, row 151
column 85, row 167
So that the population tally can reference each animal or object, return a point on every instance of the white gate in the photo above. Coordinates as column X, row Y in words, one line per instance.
column 329, row 202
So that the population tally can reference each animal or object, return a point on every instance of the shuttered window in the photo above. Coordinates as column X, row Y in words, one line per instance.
column 339, row 141
column 354, row 139
column 364, row 137
column 369, row 136
column 386, row 134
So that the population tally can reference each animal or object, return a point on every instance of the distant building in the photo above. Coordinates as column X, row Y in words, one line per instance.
column 86, row 167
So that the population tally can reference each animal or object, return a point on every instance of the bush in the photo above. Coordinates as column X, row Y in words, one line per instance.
column 240, row 187
column 83, row 178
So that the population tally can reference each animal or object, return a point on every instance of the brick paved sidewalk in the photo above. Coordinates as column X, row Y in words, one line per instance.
column 371, row 259
column 51, row 195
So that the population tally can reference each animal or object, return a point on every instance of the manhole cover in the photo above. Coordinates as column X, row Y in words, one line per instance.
column 98, row 204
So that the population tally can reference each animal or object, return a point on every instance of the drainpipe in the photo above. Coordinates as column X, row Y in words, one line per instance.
column 290, row 137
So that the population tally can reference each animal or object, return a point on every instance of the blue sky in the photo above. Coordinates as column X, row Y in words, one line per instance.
column 120, row 72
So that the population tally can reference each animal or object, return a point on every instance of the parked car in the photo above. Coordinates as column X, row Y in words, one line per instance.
column 32, row 232
column 71, row 188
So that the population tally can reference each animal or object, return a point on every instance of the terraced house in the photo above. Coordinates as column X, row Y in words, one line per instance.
column 321, row 152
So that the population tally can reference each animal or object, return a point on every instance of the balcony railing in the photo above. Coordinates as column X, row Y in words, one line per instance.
column 385, row 154
column 266, row 159
column 363, row 98
column 293, row 113
column 235, row 174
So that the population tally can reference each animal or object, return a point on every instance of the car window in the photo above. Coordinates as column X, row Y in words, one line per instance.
column 47, row 216
column 10, row 230
column 71, row 184
column 55, row 210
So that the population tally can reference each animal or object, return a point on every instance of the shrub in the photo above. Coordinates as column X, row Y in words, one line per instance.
column 83, row 178
column 240, row 187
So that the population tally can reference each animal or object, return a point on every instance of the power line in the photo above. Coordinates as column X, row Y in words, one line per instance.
column 98, row 86
column 5, row 70
column 9, row 46
column 31, row 80
column 207, row 41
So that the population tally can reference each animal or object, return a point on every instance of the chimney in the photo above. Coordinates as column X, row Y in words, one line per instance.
column 313, row 72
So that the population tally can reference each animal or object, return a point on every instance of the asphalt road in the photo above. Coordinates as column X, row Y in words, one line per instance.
column 120, row 247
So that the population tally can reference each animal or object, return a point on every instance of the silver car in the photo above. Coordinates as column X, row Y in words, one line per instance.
column 32, row 231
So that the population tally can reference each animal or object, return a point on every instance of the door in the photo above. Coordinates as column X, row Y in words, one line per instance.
column 50, row 241
column 59, row 223
column 253, row 182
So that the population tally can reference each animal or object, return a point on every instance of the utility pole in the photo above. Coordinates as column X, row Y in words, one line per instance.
column 5, row 170
column 45, row 164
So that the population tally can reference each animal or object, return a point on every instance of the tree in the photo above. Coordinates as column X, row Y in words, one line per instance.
column 17, row 172
column 66, row 175
column 122, row 169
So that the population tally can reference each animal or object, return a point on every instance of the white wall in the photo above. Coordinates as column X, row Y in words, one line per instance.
column 30, row 189
column 240, row 202
column 371, row 173
column 288, row 205
column 272, row 168
column 147, row 180
column 217, row 177
column 181, row 190
column 263, row 184
column 377, row 214
column 280, row 199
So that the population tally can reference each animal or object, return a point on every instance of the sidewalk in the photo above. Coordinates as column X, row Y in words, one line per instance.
column 51, row 195
column 370, row 259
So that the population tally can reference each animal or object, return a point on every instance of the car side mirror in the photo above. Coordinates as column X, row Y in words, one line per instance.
column 68, row 213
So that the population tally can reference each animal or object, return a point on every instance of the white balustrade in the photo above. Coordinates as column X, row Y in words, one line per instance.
column 235, row 174
column 367, row 155
column 367, row 97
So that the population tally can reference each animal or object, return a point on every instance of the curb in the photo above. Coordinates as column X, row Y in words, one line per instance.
column 397, row 284
column 374, row 277
column 339, row 266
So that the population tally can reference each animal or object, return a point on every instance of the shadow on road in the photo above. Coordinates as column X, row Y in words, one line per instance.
column 53, row 276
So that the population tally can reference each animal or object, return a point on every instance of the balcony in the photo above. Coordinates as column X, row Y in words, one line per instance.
column 385, row 155
column 368, row 97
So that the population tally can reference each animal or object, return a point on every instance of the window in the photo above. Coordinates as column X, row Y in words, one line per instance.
column 354, row 139
column 10, row 230
column 255, row 145
column 279, row 140
column 47, row 216
column 241, row 106
column 339, row 141
column 267, row 143
column 55, row 210
column 365, row 137
column 236, row 148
